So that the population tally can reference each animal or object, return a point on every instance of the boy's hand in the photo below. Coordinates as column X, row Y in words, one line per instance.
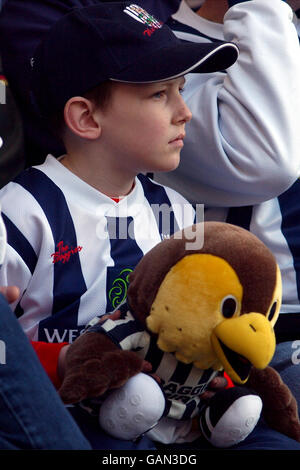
column 11, row 293
column 294, row 4
column 216, row 384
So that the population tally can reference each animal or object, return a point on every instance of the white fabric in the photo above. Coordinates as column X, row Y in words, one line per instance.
column 242, row 145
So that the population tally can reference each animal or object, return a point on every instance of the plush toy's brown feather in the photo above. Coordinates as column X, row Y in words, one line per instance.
column 94, row 364
column 280, row 408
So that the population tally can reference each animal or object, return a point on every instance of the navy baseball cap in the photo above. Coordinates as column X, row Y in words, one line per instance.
column 117, row 41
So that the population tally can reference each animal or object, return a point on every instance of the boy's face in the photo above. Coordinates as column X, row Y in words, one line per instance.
column 143, row 126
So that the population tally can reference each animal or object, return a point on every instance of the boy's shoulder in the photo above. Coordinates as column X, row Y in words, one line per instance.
column 159, row 193
column 32, row 174
column 166, row 201
column 31, row 193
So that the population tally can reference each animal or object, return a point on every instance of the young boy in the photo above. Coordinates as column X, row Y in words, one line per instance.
column 71, row 245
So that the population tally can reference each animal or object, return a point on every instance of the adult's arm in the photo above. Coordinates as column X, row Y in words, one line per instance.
column 243, row 143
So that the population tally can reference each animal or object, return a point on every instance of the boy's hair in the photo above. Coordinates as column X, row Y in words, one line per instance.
column 99, row 95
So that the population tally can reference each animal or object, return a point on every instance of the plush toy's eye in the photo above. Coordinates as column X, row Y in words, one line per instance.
column 229, row 306
column 272, row 311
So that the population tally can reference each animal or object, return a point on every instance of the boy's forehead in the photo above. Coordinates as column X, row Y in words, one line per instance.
column 173, row 81
column 179, row 81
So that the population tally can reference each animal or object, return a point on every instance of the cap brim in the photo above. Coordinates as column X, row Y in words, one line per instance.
column 176, row 60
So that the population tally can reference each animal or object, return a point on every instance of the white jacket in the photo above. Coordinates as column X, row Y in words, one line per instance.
column 243, row 143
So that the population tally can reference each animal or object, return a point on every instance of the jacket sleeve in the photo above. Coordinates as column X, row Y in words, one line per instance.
column 243, row 142
column 48, row 355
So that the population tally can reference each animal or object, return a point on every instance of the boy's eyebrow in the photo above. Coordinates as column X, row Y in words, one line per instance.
column 180, row 80
column 154, row 85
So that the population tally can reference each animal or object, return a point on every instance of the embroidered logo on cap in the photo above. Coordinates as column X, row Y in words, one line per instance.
column 141, row 15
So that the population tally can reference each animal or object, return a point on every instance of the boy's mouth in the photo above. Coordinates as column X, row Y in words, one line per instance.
column 178, row 140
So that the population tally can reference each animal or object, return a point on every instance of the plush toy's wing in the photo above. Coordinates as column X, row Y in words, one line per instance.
column 95, row 364
column 279, row 405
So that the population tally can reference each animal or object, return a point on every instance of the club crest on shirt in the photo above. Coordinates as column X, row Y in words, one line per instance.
column 141, row 15
column 118, row 281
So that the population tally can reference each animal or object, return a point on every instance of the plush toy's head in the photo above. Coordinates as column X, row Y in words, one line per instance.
column 214, row 306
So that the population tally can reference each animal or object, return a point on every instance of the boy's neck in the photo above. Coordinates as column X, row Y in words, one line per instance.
column 213, row 10
column 113, row 184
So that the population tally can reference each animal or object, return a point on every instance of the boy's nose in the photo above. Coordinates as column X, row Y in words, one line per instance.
column 184, row 113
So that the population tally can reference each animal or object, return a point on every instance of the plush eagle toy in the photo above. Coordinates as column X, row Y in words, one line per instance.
column 193, row 310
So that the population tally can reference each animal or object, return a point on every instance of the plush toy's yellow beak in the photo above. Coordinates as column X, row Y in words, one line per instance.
column 256, row 347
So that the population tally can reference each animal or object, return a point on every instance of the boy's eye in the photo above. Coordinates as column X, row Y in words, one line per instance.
column 162, row 93
column 159, row 94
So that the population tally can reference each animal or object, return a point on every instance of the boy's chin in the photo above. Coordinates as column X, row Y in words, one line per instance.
column 170, row 165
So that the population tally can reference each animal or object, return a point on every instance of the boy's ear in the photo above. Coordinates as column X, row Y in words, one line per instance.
column 81, row 119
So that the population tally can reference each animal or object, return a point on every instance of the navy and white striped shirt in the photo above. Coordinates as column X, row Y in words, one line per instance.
column 71, row 249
